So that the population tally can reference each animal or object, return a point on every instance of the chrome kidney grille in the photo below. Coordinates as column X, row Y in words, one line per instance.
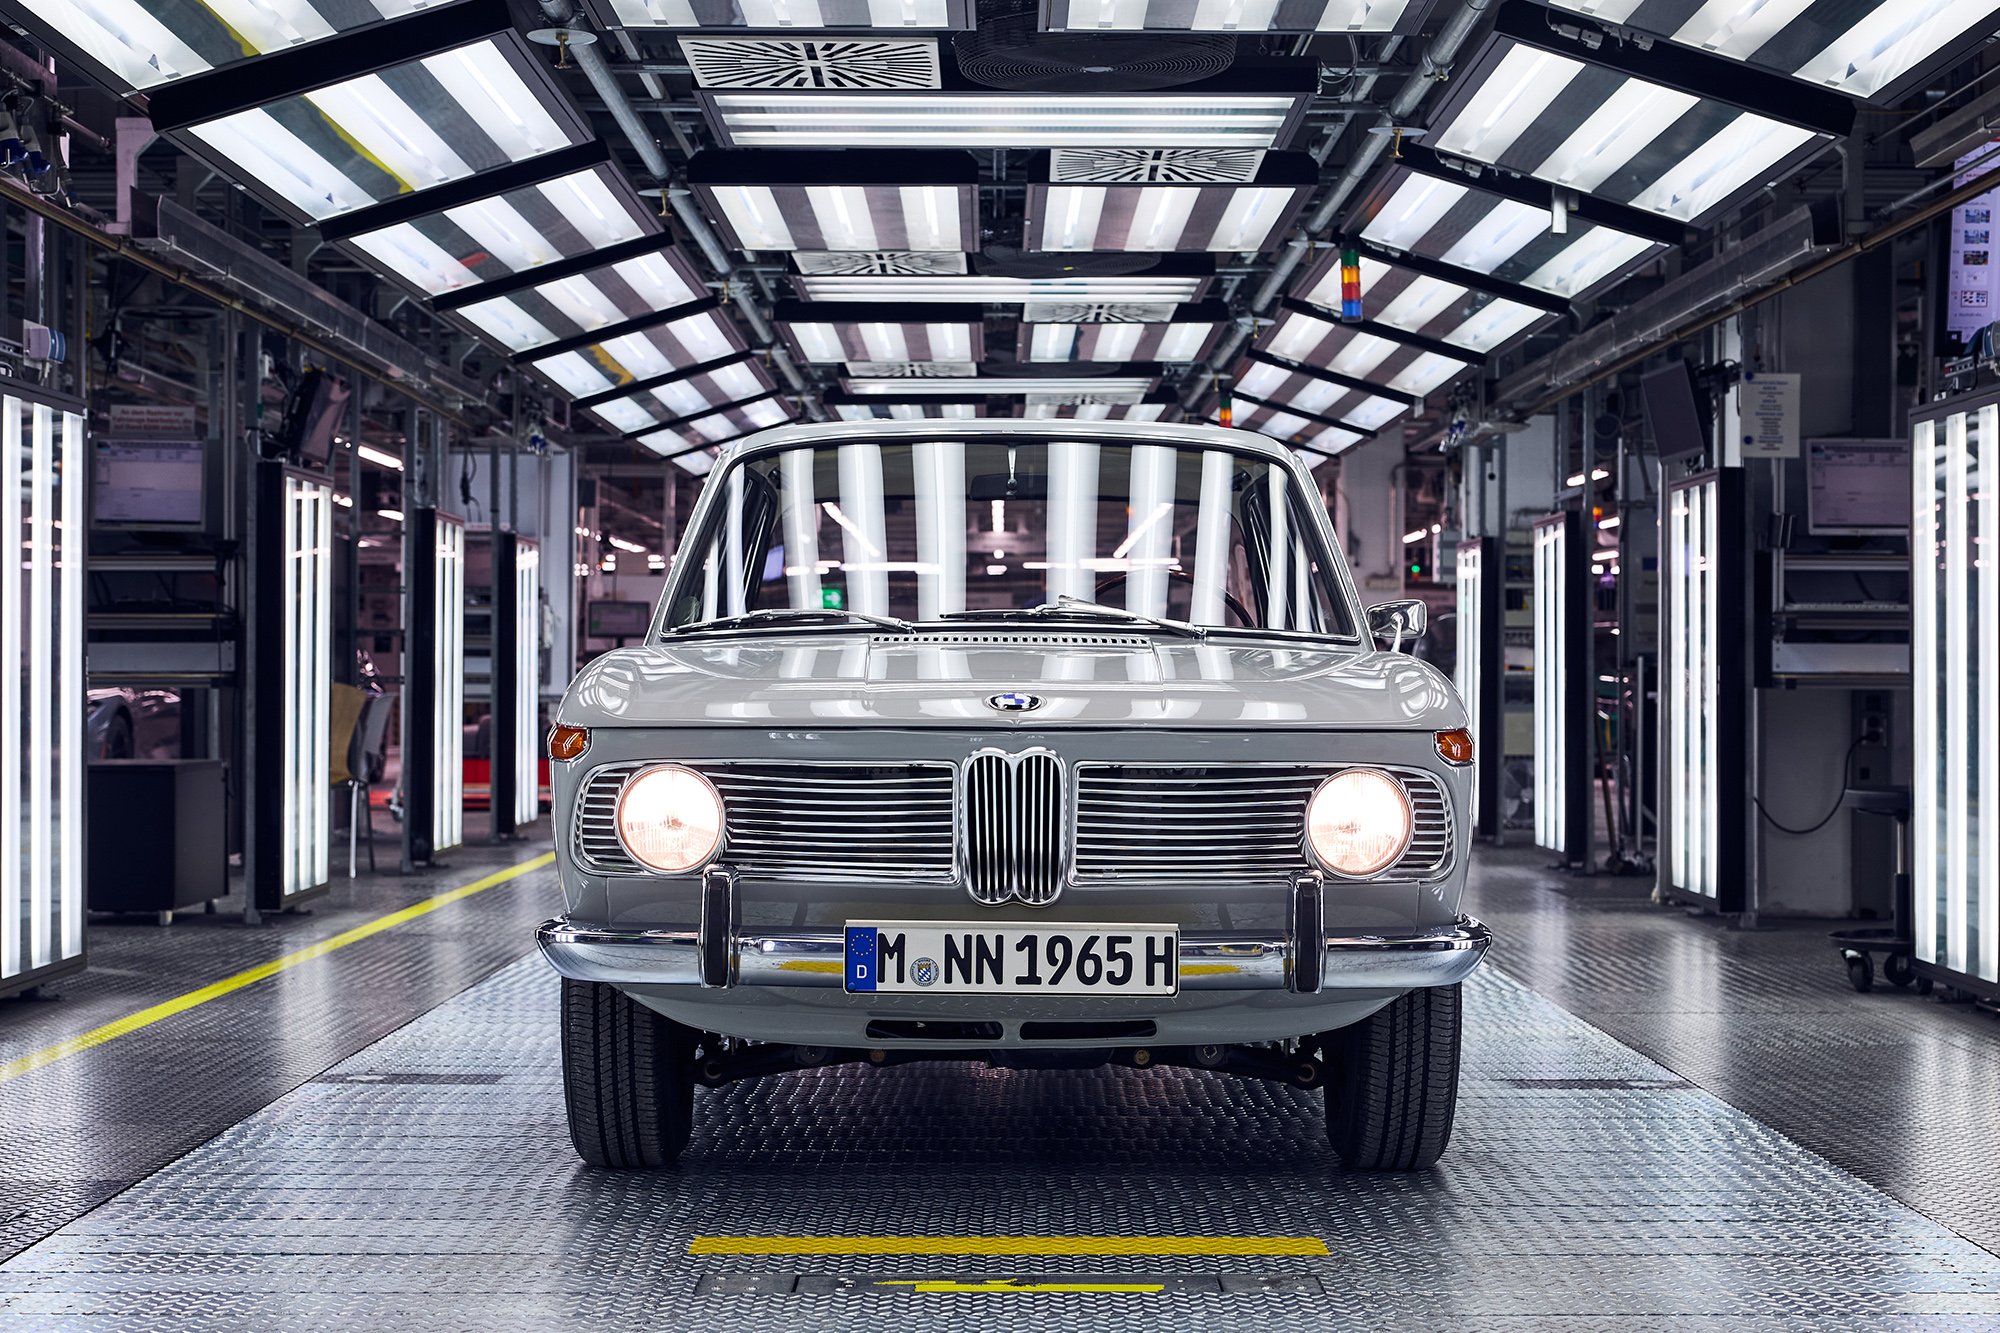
column 1226, row 823
column 1013, row 827
column 1001, row 824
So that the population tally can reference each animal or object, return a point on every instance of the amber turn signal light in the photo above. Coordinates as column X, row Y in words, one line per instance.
column 568, row 742
column 1455, row 746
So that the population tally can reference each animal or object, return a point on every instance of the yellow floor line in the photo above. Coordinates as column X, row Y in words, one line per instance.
column 1005, row 1245
column 180, row 1004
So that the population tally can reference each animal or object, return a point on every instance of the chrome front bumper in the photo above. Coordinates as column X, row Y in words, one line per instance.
column 626, row 957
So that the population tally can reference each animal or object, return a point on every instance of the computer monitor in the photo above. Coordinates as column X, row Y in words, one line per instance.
column 148, row 484
column 618, row 620
column 318, row 408
column 1857, row 488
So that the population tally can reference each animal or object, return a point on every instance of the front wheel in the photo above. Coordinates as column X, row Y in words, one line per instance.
column 628, row 1078
column 1394, row 1082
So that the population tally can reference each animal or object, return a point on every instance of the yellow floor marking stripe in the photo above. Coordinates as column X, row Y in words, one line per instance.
column 180, row 1004
column 1002, row 1245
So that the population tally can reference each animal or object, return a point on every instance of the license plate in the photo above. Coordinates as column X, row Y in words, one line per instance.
column 950, row 958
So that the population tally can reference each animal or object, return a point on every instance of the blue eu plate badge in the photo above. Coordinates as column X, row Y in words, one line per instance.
column 861, row 958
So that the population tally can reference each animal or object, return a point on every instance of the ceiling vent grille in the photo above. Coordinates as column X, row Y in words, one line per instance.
column 1097, row 312
column 771, row 62
column 881, row 263
column 911, row 370
column 1153, row 166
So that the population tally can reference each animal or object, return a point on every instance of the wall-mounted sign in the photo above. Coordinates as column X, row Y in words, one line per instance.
column 153, row 419
column 1972, row 279
column 1767, row 416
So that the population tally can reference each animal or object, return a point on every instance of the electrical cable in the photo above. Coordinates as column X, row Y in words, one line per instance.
column 1839, row 799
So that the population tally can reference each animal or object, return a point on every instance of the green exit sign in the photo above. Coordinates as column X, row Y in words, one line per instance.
column 832, row 599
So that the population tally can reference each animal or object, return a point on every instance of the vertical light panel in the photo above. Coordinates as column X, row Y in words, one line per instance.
column 863, row 522
column 1551, row 672
column 43, row 462
column 1072, row 515
column 1705, row 691
column 304, row 721
column 41, row 684
column 1211, row 538
column 526, row 758
column 13, row 760
column 801, row 529
column 73, row 470
column 448, row 662
column 1955, row 643
column 1149, row 543
column 1926, row 748
column 1467, row 673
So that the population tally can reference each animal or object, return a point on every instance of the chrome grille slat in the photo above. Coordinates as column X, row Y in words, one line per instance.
column 777, row 820
column 1226, row 824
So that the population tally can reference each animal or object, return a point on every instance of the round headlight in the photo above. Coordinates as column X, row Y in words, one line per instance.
column 670, row 819
column 1358, row 822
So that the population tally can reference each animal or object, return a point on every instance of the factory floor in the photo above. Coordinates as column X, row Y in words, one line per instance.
column 353, row 1118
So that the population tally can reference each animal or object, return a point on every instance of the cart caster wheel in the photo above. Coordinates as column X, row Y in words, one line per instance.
column 1925, row 985
column 1898, row 970
column 1860, row 972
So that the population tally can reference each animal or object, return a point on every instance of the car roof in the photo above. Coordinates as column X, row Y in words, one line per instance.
column 1124, row 432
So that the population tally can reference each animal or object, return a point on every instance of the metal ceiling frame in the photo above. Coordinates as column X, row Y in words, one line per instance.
column 1333, row 423
column 1386, row 332
column 680, row 423
column 1470, row 279
column 528, row 279
column 1529, row 190
column 479, row 185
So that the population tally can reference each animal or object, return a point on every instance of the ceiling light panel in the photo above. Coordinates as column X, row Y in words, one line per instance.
column 780, row 15
column 1078, row 389
column 1358, row 354
column 1153, row 166
column 908, row 411
column 1329, row 16
column 1003, row 120
column 1301, row 392
column 406, row 129
column 641, row 354
column 509, row 233
column 717, row 427
column 1604, row 132
column 1188, row 336
column 1247, row 216
column 1419, row 303
column 1294, row 428
column 881, row 263
column 920, row 202
column 1154, row 295
column 826, row 333
column 1147, row 411
column 849, row 63
column 565, row 308
column 1470, row 228
column 1864, row 48
column 687, row 396
column 142, row 44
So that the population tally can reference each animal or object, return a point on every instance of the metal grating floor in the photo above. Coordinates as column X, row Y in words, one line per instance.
column 427, row 1182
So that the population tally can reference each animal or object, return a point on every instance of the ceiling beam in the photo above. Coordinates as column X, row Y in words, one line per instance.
column 1470, row 279
column 592, row 337
column 1334, row 377
column 1540, row 194
column 466, row 189
column 530, row 278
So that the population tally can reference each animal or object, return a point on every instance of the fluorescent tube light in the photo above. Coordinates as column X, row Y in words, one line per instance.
column 999, row 120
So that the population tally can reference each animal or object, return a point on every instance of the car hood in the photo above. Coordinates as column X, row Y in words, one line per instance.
column 1081, row 678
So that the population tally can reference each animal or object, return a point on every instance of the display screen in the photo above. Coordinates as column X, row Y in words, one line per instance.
column 1675, row 411
column 148, row 484
column 1857, row 487
column 619, row 620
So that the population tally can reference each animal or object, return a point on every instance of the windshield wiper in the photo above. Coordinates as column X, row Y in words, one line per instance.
column 771, row 615
column 1066, row 605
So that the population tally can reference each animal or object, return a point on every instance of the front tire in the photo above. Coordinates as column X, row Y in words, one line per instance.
column 1394, row 1088
column 628, row 1078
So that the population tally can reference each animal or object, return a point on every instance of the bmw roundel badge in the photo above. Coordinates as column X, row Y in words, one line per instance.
column 1014, row 703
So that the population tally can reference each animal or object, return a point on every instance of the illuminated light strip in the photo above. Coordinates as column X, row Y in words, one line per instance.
column 12, row 888
column 1009, row 1245
column 1923, row 668
column 180, row 1004
column 41, row 649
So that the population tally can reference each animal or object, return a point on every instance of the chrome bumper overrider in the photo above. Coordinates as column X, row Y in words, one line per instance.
column 627, row 957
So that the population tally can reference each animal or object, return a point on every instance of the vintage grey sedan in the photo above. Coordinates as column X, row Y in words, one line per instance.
column 1050, row 744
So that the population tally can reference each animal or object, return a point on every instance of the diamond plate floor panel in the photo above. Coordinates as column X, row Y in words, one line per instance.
column 1901, row 1090
column 75, row 1133
column 427, row 1182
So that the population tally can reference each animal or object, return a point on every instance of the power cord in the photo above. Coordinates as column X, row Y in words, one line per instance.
column 1839, row 797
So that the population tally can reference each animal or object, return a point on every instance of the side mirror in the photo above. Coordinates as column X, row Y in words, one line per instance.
column 1393, row 622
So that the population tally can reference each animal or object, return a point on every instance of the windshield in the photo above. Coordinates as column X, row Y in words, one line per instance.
column 963, row 529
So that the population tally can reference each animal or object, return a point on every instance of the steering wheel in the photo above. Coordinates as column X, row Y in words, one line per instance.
column 1118, row 580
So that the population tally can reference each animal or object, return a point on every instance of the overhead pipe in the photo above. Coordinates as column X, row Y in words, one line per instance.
column 1435, row 66
column 604, row 81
